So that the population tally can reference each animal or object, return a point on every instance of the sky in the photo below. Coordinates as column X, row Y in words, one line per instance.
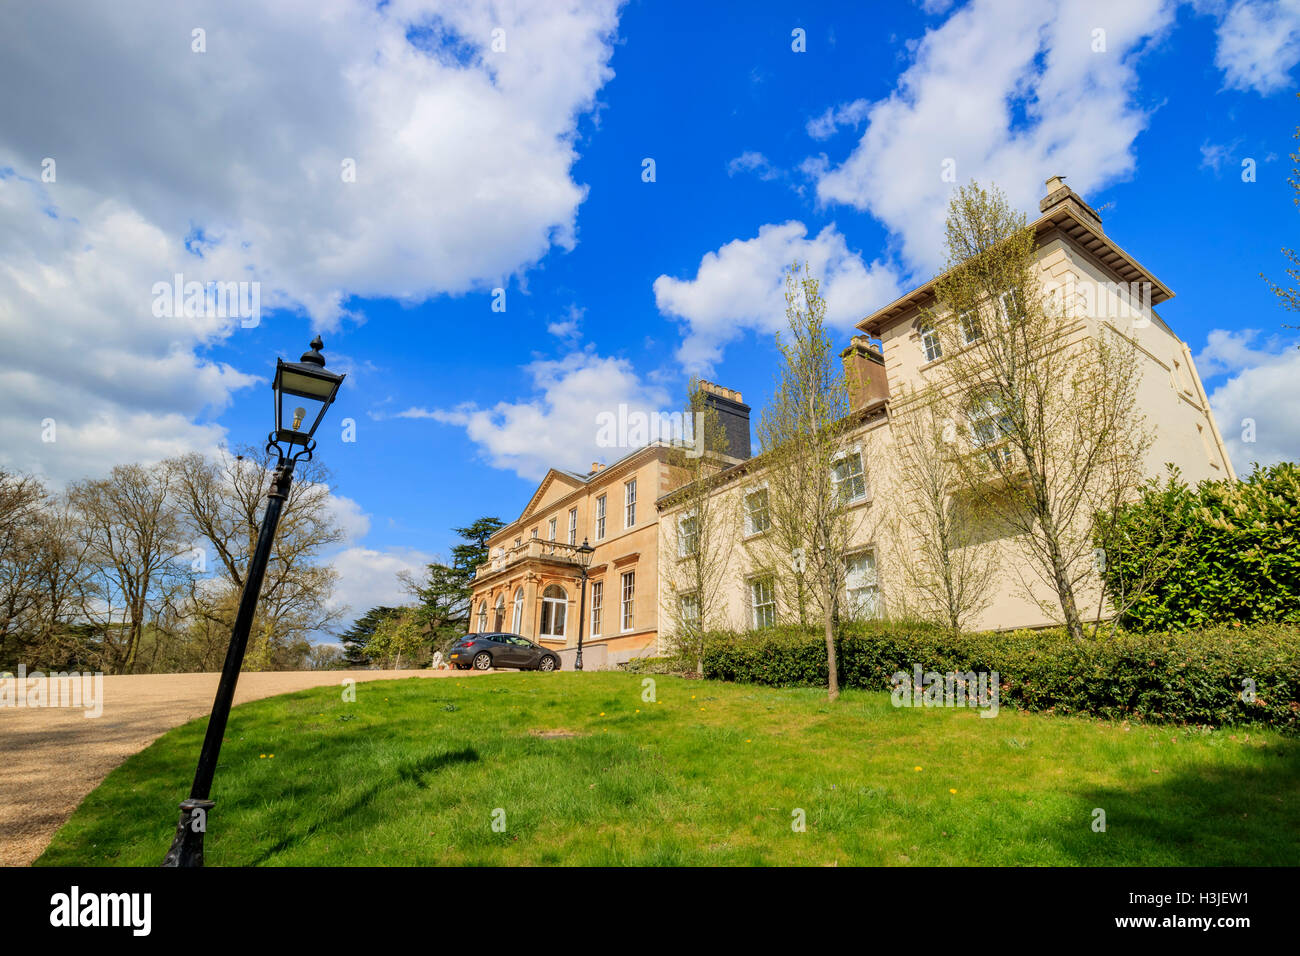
column 505, row 219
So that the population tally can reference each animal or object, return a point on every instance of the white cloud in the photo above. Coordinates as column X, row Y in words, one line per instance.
column 347, row 514
column 1259, row 44
column 463, row 161
column 846, row 114
column 568, row 328
column 1259, row 393
column 1217, row 155
column 559, row 425
column 368, row 578
column 741, row 287
column 1012, row 92
column 753, row 162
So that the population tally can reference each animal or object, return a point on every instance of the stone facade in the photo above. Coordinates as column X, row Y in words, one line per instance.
column 1097, row 276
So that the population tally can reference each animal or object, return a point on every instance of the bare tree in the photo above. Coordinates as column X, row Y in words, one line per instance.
column 22, row 503
column 813, row 487
column 696, row 547
column 221, row 502
column 1052, row 429
column 134, row 541
column 945, row 566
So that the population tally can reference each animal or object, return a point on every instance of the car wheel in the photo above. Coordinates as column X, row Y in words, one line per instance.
column 547, row 663
column 483, row 661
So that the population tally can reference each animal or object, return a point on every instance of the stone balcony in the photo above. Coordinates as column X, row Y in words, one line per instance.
column 533, row 550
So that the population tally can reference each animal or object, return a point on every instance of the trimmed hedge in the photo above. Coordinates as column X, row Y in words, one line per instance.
column 1192, row 677
column 1237, row 545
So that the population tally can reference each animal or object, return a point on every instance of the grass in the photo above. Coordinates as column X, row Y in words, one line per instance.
column 586, row 772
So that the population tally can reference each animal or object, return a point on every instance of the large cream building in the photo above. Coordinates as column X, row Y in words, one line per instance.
column 631, row 511
column 1076, row 256
column 532, row 581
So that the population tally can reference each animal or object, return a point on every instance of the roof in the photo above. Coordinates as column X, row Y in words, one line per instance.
column 1066, row 220
column 575, row 480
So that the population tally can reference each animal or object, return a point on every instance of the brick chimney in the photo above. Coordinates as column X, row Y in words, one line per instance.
column 1059, row 194
column 733, row 416
column 864, row 370
column 595, row 467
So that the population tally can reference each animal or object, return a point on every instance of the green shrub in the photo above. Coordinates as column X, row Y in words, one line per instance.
column 1225, row 552
column 1184, row 677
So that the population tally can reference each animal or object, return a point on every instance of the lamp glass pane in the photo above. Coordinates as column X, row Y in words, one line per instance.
column 310, row 386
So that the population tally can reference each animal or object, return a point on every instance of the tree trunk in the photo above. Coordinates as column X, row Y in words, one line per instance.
column 832, row 665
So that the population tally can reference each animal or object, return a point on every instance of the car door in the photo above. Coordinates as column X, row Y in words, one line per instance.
column 521, row 651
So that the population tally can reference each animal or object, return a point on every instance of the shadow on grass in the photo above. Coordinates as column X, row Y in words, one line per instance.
column 1207, row 815
column 413, row 772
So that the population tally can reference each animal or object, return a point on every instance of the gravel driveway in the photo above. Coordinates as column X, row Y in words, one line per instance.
column 50, row 757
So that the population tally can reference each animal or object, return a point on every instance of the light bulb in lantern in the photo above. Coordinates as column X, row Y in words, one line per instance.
column 298, row 415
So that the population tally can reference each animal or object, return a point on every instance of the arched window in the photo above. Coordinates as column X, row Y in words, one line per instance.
column 518, row 627
column 500, row 616
column 555, row 605
column 482, row 617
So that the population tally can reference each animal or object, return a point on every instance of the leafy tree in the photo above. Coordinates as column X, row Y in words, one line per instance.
column 396, row 636
column 473, row 549
column 442, row 611
column 356, row 638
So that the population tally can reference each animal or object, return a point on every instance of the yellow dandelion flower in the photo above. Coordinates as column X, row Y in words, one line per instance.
column 950, row 790
column 917, row 769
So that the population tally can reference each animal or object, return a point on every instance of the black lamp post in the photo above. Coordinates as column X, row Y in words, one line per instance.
column 308, row 385
column 584, row 561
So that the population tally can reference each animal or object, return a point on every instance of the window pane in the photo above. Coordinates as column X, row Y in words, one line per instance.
column 629, row 590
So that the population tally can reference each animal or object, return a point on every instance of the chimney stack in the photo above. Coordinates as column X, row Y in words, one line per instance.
column 1059, row 194
column 864, row 370
column 733, row 418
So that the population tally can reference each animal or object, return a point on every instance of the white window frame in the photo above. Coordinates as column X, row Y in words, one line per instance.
column 969, row 323
column 690, row 599
column 482, row 617
column 1002, row 305
column 597, row 606
column 859, row 476
column 573, row 526
column 985, row 429
column 600, row 518
column 865, row 593
column 551, row 606
column 518, row 618
column 627, row 601
column 550, row 528
column 766, row 510
column 931, row 347
column 683, row 536
column 762, row 613
column 629, row 503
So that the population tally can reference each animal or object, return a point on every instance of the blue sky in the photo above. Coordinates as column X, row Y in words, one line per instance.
column 522, row 169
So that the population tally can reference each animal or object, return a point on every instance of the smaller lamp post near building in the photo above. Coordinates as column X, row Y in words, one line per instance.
column 584, row 561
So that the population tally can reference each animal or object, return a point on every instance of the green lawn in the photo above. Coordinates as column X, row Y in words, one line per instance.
column 710, row 774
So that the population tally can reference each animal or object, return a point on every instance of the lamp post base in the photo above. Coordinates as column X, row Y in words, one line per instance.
column 187, row 846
